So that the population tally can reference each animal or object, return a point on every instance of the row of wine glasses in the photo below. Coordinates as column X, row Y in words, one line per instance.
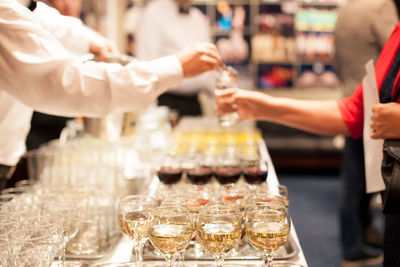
column 218, row 227
column 226, row 170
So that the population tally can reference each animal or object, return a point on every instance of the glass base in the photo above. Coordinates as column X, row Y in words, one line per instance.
column 228, row 119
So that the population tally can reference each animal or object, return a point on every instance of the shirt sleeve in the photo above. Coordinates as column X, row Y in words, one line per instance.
column 352, row 108
column 66, row 29
column 36, row 69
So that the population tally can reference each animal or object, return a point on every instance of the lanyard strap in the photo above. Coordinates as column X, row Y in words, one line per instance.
column 387, row 87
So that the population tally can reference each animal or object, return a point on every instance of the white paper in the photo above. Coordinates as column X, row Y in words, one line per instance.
column 372, row 147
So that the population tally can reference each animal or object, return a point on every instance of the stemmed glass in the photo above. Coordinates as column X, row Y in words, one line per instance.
column 198, row 169
column 67, row 217
column 219, row 229
column 276, row 190
column 267, row 228
column 228, row 169
column 134, row 220
column 255, row 172
column 171, row 231
column 170, row 171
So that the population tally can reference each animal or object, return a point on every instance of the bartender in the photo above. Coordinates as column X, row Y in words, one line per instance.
column 38, row 72
column 166, row 27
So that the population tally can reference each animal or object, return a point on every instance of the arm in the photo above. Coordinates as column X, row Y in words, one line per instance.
column 385, row 121
column 36, row 69
column 321, row 117
column 68, row 30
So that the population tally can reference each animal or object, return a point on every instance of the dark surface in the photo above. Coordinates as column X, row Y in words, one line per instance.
column 314, row 208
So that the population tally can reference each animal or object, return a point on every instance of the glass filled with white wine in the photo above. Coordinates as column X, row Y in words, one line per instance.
column 267, row 228
column 171, row 231
column 134, row 220
column 219, row 229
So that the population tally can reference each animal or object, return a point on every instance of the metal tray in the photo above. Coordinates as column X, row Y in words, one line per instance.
column 245, row 252
column 195, row 264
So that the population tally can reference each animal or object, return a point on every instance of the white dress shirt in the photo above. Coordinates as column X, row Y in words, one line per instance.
column 163, row 31
column 36, row 71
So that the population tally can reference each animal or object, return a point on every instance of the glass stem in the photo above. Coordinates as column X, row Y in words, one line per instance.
column 219, row 260
column 267, row 259
column 138, row 248
column 64, row 250
column 170, row 259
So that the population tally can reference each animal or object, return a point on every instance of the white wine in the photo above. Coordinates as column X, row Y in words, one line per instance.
column 267, row 236
column 135, row 224
column 218, row 238
column 170, row 238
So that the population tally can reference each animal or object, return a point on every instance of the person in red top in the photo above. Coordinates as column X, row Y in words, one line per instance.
column 330, row 117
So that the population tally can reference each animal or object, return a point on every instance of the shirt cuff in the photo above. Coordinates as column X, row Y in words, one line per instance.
column 169, row 71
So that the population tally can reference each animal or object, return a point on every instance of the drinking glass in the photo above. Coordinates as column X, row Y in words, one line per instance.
column 277, row 190
column 265, row 198
column 170, row 171
column 134, row 220
column 171, row 231
column 255, row 172
column 219, row 229
column 228, row 169
column 227, row 78
column 267, row 228
column 67, row 217
column 198, row 169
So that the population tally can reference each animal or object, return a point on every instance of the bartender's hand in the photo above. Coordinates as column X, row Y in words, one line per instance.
column 101, row 47
column 198, row 58
column 385, row 121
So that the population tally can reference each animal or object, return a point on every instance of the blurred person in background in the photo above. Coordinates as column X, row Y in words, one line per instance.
column 330, row 117
column 165, row 27
column 44, row 127
column 38, row 72
column 72, row 8
column 361, row 31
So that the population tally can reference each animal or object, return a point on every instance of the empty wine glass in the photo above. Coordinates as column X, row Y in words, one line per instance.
column 134, row 220
column 171, row 231
column 267, row 228
column 67, row 217
column 219, row 229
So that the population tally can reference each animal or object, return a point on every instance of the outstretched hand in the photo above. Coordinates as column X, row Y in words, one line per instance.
column 248, row 104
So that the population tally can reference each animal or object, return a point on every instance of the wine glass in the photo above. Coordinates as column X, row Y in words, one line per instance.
column 228, row 169
column 170, row 171
column 171, row 231
column 134, row 219
column 219, row 229
column 265, row 198
column 277, row 190
column 255, row 172
column 198, row 169
column 267, row 228
column 67, row 217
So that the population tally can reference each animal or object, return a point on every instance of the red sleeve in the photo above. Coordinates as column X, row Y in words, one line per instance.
column 352, row 108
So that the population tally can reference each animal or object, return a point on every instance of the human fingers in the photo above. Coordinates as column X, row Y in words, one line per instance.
column 209, row 63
